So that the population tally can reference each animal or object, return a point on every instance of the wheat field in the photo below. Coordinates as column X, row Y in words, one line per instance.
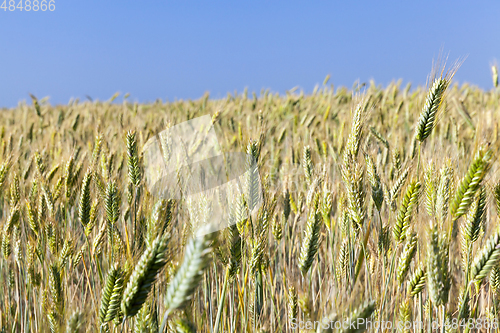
column 377, row 204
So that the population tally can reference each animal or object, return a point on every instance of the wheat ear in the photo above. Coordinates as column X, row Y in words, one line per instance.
column 496, row 194
column 144, row 276
column 406, row 257
column 307, row 164
column 472, row 227
column 133, row 159
column 405, row 316
column 416, row 282
column 196, row 259
column 396, row 188
column 443, row 195
column 85, row 202
column 409, row 202
column 354, row 140
column 374, row 179
column 111, row 295
column 292, row 303
column 432, row 105
column 486, row 259
column 470, row 183
column 311, row 240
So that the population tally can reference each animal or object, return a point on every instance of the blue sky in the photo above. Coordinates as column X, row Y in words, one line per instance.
column 181, row 49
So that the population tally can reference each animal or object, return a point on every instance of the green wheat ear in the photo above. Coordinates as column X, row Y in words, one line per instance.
column 486, row 259
column 235, row 242
column 107, row 292
column 354, row 182
column 144, row 276
column 474, row 218
column 393, row 194
column 277, row 228
column 496, row 194
column 405, row 314
column 495, row 279
column 196, row 259
column 406, row 257
column 144, row 320
column 354, row 140
column 417, row 280
column 432, row 105
column 54, row 320
column 111, row 295
column 443, row 194
column 69, row 172
column 133, row 159
column 56, row 287
column 85, row 201
column 112, row 203
column 311, row 241
column 471, row 183
column 410, row 201
column 307, row 164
